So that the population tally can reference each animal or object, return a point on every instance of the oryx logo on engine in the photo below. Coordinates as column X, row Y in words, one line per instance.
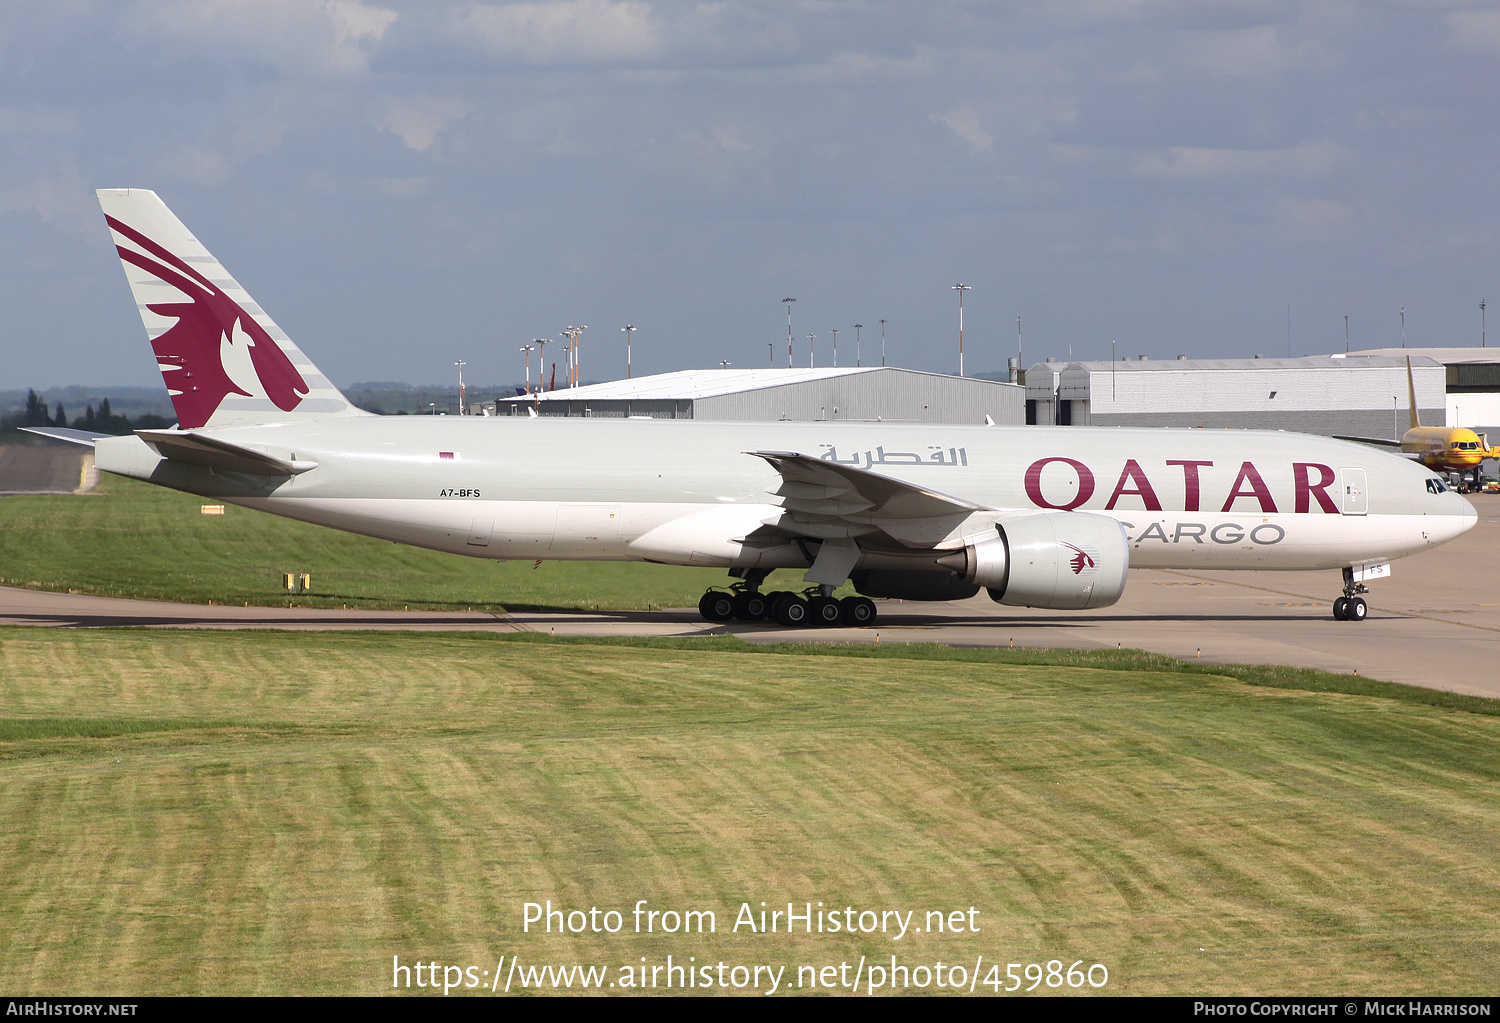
column 1081, row 559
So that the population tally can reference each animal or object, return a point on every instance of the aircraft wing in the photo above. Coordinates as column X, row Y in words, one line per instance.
column 1379, row 442
column 84, row 437
column 830, row 500
column 198, row 449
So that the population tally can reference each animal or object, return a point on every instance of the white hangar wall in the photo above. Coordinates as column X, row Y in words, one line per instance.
column 1473, row 381
column 1360, row 397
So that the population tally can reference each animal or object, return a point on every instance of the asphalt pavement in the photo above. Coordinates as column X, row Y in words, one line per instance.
column 1435, row 622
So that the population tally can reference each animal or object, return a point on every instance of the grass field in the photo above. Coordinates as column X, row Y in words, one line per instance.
column 132, row 539
column 252, row 812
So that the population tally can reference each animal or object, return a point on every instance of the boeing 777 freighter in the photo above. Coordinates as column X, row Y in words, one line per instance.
column 1049, row 517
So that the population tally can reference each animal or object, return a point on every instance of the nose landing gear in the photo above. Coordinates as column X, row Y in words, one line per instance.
column 1349, row 607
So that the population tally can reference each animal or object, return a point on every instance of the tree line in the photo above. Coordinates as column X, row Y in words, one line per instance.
column 102, row 420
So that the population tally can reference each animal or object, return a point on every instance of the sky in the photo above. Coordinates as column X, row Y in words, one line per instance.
column 405, row 184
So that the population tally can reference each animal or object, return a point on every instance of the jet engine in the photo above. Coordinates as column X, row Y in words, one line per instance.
column 1068, row 561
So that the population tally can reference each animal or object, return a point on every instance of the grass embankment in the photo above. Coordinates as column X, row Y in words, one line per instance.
column 132, row 539
column 254, row 812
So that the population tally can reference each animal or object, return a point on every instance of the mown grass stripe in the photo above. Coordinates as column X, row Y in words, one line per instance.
column 347, row 797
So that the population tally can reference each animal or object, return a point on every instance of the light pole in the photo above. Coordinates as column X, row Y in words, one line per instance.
column 882, row 344
column 1346, row 333
column 572, row 335
column 541, row 364
column 835, row 347
column 1481, row 323
column 856, row 344
column 771, row 349
column 961, row 288
column 789, row 302
column 627, row 329
column 463, row 409
column 1112, row 373
column 527, row 350
column 810, row 338
column 1403, row 326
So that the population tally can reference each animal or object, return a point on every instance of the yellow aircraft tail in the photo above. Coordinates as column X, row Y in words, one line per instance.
column 1411, row 396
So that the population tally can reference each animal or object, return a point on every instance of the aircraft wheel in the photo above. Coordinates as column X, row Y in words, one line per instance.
column 1357, row 610
column 750, row 607
column 858, row 612
column 791, row 611
column 1341, row 609
column 825, row 611
column 716, row 607
column 773, row 602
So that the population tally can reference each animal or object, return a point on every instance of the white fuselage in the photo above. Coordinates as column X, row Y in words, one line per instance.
column 687, row 492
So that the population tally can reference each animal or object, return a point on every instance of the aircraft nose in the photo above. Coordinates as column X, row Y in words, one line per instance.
column 1460, row 519
column 1468, row 513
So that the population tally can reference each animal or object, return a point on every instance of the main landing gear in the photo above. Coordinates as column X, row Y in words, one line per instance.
column 815, row 606
column 1349, row 607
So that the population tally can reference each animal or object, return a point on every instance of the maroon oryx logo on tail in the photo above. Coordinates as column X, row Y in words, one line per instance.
column 209, row 323
column 1081, row 559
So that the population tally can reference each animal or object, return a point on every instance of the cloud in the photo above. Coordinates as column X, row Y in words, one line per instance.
column 1251, row 52
column 37, row 121
column 1161, row 241
column 965, row 125
column 326, row 37
column 1318, row 219
column 1475, row 31
column 565, row 31
column 57, row 193
column 418, row 120
column 1310, row 159
column 403, row 188
column 1171, row 15
column 196, row 164
column 728, row 137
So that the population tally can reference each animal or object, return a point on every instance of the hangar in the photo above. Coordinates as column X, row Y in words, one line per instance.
column 1319, row 395
column 804, row 395
column 1471, row 379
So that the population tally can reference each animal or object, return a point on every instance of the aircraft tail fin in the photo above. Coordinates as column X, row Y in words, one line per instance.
column 1411, row 396
column 225, row 362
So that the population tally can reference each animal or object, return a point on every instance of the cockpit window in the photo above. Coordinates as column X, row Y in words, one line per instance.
column 1436, row 486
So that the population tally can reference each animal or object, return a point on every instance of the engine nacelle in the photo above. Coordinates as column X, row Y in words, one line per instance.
column 1067, row 561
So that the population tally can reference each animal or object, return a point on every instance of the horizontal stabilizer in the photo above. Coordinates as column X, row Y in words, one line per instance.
column 219, row 454
column 84, row 437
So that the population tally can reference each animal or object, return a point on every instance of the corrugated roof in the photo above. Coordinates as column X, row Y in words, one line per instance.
column 1447, row 356
column 1311, row 362
column 691, row 384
